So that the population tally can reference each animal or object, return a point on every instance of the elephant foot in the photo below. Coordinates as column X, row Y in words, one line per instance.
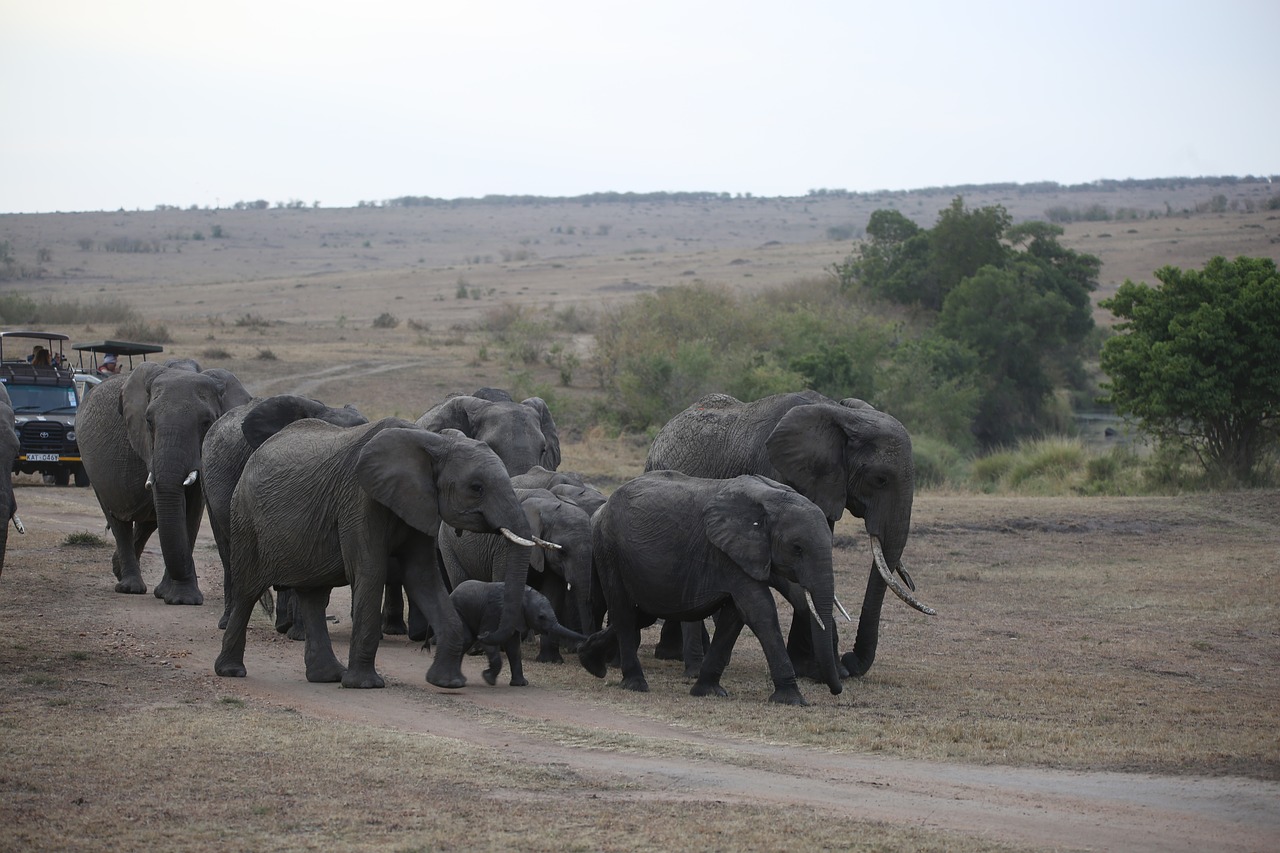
column 787, row 694
column 636, row 683
column 395, row 629
column 692, row 670
column 707, row 687
column 131, row 586
column 520, row 682
column 328, row 673
column 180, row 593
column 550, row 657
column 229, row 668
column 295, row 632
column 222, row 622
column 662, row 652
column 360, row 680
column 442, row 674
column 490, row 676
column 853, row 665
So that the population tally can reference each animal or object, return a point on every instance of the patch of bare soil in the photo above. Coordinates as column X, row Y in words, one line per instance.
column 69, row 646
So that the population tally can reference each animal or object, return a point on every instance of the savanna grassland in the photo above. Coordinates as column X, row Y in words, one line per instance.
column 1101, row 674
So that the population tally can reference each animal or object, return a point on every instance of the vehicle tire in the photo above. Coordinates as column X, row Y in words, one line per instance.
column 61, row 477
column 82, row 476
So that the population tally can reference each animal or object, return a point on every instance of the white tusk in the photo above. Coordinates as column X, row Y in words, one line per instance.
column 847, row 617
column 149, row 480
column 889, row 579
column 813, row 608
column 17, row 525
column 514, row 538
column 550, row 546
column 191, row 478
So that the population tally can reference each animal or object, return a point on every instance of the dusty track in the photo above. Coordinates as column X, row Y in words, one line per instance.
column 546, row 727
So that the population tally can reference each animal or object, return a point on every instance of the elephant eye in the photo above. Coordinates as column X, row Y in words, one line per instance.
column 477, row 489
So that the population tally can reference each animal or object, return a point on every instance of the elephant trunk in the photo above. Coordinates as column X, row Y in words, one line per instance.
column 513, row 579
column 822, row 625
column 560, row 632
column 172, row 502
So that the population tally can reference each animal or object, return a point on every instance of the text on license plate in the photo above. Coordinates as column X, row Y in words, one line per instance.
column 42, row 457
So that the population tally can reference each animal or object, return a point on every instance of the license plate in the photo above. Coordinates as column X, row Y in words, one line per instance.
column 42, row 457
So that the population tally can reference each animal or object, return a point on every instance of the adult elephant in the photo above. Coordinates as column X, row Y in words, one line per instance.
column 667, row 545
column 9, row 448
column 226, row 449
column 562, row 574
column 140, row 439
column 522, row 434
column 319, row 506
column 840, row 455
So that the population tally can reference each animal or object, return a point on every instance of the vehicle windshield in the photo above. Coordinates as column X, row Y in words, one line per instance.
column 41, row 398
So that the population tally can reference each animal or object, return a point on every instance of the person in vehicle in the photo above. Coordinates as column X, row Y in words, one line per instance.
column 109, row 365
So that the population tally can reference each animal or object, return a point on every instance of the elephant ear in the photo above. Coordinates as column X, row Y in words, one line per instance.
column 135, row 396
column 737, row 523
column 453, row 413
column 807, row 449
column 551, row 456
column 273, row 414
column 493, row 395
column 231, row 390
column 397, row 468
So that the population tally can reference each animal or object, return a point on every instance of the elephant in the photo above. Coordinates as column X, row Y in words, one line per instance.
column 9, row 449
column 226, row 448
column 479, row 604
column 140, row 439
column 667, row 545
column 320, row 506
column 840, row 455
column 569, row 485
column 522, row 434
column 562, row 573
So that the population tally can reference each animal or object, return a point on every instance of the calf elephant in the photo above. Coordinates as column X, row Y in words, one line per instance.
column 562, row 573
column 319, row 506
column 840, row 455
column 226, row 449
column 666, row 545
column 9, row 448
column 140, row 438
column 479, row 604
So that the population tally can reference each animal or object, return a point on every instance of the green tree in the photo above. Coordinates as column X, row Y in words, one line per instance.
column 1196, row 361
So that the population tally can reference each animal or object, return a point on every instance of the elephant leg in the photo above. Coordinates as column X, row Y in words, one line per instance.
column 287, row 612
column 393, row 610
column 624, row 620
column 322, row 664
column 494, row 656
column 230, row 662
column 694, row 640
column 728, row 626
column 419, row 627
column 670, row 641
column 756, row 606
column 425, row 587
column 366, row 626
column 124, row 563
column 512, row 649
column 549, row 646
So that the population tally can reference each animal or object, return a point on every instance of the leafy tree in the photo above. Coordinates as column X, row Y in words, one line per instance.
column 1196, row 361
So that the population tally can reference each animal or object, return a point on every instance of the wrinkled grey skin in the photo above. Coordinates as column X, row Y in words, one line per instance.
column 226, row 449
column 561, row 574
column 670, row 546
column 479, row 605
column 9, row 448
column 841, row 455
column 522, row 434
column 320, row 506
column 152, row 422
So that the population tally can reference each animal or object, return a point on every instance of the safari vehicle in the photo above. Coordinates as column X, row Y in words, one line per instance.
column 46, row 398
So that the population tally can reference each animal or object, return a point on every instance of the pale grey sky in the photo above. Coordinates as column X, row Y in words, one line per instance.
column 108, row 104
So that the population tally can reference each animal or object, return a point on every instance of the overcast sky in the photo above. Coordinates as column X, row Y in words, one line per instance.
column 108, row 104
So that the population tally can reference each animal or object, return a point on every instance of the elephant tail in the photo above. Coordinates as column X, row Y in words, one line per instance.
column 267, row 604
column 595, row 653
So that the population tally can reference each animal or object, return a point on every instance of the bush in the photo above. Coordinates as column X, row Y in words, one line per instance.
column 140, row 330
column 385, row 320
column 937, row 462
column 216, row 354
column 1046, row 463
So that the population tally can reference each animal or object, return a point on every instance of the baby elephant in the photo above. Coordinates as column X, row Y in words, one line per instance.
column 479, row 606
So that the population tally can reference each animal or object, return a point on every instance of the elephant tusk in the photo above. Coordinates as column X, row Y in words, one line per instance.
column 897, row 588
column 844, row 612
column 906, row 578
column 813, row 608
column 17, row 525
column 191, row 478
column 149, row 480
column 550, row 546
column 514, row 538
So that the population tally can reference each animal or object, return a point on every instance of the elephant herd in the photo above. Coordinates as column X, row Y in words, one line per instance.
column 464, row 514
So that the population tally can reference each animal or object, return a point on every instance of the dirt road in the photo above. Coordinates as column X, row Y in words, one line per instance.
column 662, row 761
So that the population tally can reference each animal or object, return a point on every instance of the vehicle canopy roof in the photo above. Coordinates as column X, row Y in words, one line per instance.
column 31, row 334
column 117, row 348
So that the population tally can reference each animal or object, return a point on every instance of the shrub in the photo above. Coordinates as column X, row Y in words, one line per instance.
column 385, row 320
column 266, row 355
column 84, row 539
column 140, row 330
column 1046, row 459
column 216, row 354
column 937, row 462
